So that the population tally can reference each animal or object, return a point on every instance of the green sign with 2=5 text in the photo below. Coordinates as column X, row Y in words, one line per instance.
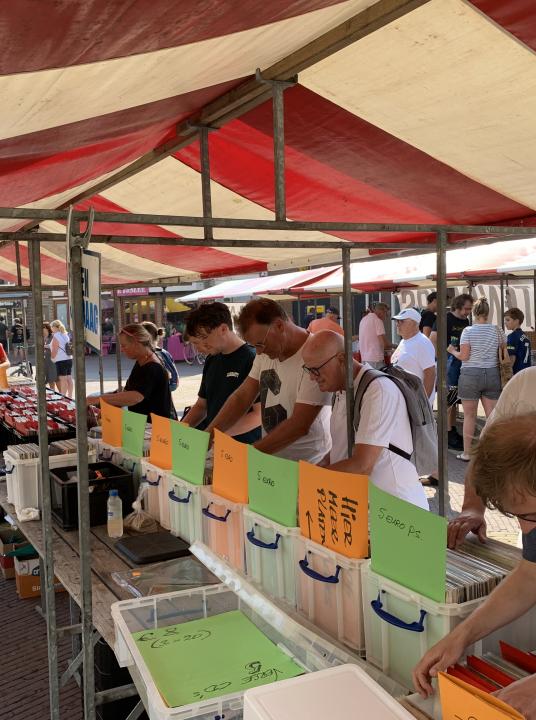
column 408, row 544
column 188, row 452
column 133, row 432
column 273, row 487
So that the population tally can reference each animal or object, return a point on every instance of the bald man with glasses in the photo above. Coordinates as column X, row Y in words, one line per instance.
column 383, row 433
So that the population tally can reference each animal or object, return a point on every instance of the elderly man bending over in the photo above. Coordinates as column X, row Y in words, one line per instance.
column 383, row 421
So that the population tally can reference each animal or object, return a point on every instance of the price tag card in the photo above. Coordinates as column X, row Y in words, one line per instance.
column 112, row 424
column 133, row 432
column 189, row 452
column 461, row 701
column 273, row 487
column 160, row 450
column 408, row 544
column 230, row 475
column 333, row 509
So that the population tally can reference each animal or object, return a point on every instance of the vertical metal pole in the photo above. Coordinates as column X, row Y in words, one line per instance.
column 24, row 320
column 75, row 269
column 101, row 373
column 279, row 151
column 534, row 301
column 501, row 321
column 347, row 320
column 117, row 322
column 47, row 585
column 205, row 178
column 442, row 409
column 17, row 260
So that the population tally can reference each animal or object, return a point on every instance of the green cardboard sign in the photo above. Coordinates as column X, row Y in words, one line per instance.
column 133, row 432
column 205, row 659
column 408, row 544
column 188, row 452
column 273, row 487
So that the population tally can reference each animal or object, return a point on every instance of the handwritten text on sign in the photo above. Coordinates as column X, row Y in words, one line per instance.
column 230, row 476
column 160, row 452
column 333, row 509
column 112, row 424
column 461, row 701
column 273, row 487
column 189, row 452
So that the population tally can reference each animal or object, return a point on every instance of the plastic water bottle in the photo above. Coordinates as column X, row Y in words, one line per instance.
column 115, row 515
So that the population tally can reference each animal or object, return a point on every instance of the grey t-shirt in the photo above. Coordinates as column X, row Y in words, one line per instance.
column 529, row 546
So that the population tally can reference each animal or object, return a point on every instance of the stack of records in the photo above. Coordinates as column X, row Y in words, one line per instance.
column 24, row 452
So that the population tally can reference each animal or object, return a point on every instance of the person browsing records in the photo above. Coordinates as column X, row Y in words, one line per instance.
column 147, row 388
column 228, row 364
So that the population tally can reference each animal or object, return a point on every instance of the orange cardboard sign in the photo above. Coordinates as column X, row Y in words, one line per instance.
column 230, row 474
column 461, row 701
column 112, row 424
column 160, row 450
column 333, row 509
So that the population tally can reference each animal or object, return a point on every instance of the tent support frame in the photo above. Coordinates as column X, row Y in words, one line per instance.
column 347, row 323
column 442, row 409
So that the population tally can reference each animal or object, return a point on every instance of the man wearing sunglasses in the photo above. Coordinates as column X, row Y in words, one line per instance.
column 383, row 421
column 294, row 411
column 504, row 477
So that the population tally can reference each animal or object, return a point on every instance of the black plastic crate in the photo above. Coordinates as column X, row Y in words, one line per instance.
column 103, row 477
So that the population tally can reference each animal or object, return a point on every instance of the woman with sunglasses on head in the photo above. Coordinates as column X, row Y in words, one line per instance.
column 147, row 388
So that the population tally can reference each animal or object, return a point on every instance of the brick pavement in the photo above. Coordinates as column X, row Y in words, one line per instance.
column 24, row 673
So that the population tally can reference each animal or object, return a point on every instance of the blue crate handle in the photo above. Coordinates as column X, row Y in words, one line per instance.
column 173, row 497
column 221, row 518
column 416, row 626
column 154, row 484
column 333, row 579
column 3, row 471
column 260, row 543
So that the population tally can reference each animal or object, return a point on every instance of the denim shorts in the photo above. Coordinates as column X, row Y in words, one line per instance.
column 475, row 383
column 453, row 370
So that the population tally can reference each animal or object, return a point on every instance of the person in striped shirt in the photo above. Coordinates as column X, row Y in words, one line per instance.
column 480, row 378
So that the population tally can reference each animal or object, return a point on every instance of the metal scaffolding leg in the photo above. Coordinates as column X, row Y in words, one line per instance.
column 17, row 260
column 205, row 179
column 101, row 373
column 46, row 505
column 501, row 321
column 442, row 409
column 534, row 301
column 117, row 322
column 75, row 244
column 347, row 321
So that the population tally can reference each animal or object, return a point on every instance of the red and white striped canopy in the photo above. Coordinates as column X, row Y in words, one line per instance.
column 427, row 119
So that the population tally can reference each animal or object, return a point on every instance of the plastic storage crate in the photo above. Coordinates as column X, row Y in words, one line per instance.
column 271, row 556
column 306, row 648
column 22, row 477
column 338, row 693
column 154, row 477
column 401, row 625
column 184, row 500
column 223, row 527
column 328, row 592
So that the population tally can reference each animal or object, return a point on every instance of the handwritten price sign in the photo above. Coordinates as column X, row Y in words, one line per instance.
column 461, row 701
column 230, row 475
column 160, row 451
column 333, row 509
column 189, row 452
column 112, row 424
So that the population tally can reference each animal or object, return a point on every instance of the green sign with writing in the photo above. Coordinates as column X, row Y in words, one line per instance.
column 273, row 487
column 408, row 544
column 133, row 432
column 204, row 659
column 188, row 452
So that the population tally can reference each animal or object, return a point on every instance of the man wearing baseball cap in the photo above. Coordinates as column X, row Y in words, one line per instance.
column 330, row 321
column 415, row 352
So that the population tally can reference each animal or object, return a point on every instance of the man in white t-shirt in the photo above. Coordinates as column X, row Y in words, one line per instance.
column 372, row 341
column 517, row 398
column 294, row 411
column 415, row 352
column 383, row 422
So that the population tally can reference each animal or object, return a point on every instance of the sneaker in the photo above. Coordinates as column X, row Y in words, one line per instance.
column 455, row 440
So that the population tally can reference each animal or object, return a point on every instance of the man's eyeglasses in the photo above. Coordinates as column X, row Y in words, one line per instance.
column 262, row 345
column 315, row 371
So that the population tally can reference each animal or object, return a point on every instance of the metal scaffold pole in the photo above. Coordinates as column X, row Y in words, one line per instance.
column 117, row 322
column 442, row 409
column 347, row 322
column 75, row 244
column 46, row 505
column 205, row 179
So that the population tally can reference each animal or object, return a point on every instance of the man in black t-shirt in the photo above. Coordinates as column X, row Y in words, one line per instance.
column 229, row 360
column 457, row 320
column 3, row 333
column 428, row 315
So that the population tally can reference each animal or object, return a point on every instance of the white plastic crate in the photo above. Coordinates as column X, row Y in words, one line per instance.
column 184, row 508
column 110, row 453
column 223, row 527
column 328, row 592
column 153, row 476
column 401, row 625
column 130, row 616
column 337, row 693
column 271, row 556
column 22, row 477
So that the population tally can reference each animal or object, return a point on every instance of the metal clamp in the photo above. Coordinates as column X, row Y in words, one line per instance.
column 280, row 83
column 83, row 239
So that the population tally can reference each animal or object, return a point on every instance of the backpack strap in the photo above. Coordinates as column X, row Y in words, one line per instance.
column 368, row 377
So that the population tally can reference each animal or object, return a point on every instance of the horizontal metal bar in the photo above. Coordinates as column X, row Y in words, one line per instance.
column 113, row 694
column 69, row 630
column 249, row 224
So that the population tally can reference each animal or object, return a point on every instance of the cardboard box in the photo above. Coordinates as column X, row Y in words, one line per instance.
column 10, row 539
column 28, row 580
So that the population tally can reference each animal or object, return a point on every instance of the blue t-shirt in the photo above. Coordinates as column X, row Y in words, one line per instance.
column 518, row 345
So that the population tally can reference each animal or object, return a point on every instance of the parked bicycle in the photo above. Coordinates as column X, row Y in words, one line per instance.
column 191, row 354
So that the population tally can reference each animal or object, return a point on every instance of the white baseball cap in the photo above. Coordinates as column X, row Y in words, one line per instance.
column 408, row 314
